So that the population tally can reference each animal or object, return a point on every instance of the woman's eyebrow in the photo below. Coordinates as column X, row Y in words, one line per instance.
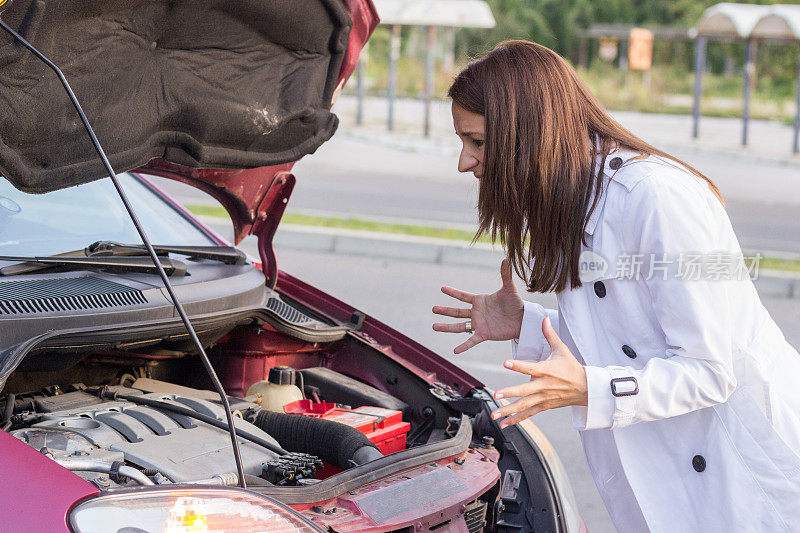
column 471, row 133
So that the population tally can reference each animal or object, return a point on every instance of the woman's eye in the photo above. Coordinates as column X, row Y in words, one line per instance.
column 477, row 142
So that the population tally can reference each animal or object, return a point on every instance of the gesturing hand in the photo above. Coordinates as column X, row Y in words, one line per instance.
column 558, row 381
column 495, row 317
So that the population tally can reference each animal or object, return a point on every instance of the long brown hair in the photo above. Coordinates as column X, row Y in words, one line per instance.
column 538, row 170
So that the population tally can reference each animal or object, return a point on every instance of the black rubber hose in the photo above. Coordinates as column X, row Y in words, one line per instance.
column 156, row 404
column 255, row 481
column 333, row 442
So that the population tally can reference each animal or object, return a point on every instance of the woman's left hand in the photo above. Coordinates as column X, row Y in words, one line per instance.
column 558, row 381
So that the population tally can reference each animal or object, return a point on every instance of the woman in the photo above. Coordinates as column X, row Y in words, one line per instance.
column 681, row 384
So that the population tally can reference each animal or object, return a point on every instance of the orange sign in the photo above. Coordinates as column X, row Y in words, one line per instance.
column 640, row 49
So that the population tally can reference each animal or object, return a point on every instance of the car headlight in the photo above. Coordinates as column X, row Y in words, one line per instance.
column 182, row 510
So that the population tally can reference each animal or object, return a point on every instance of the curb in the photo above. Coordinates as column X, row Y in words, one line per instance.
column 773, row 283
column 387, row 246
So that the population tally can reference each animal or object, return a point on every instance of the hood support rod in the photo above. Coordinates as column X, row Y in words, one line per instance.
column 146, row 241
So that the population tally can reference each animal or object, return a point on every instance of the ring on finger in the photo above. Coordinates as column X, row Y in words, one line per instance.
column 468, row 326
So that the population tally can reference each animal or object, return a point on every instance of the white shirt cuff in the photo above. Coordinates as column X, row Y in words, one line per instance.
column 531, row 345
column 599, row 413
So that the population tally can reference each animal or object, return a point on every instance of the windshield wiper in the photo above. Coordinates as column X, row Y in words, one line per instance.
column 225, row 254
column 142, row 263
column 116, row 257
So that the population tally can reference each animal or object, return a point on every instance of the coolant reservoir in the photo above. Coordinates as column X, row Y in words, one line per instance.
column 278, row 390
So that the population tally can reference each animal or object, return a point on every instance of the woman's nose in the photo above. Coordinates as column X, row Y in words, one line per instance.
column 466, row 162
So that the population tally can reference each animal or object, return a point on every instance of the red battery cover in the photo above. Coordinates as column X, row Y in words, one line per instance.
column 383, row 427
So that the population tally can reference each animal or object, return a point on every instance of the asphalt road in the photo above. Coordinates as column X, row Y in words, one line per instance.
column 763, row 197
column 349, row 176
column 401, row 293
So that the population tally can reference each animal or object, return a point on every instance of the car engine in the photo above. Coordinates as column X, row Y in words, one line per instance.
column 80, row 426
column 146, row 431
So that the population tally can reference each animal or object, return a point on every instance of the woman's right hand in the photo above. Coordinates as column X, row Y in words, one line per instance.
column 495, row 317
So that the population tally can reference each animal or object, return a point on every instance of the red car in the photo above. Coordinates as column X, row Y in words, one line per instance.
column 109, row 420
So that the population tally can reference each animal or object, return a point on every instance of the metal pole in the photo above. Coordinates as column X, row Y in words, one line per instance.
column 699, row 66
column 430, row 63
column 362, row 65
column 583, row 52
column 749, row 69
column 449, row 49
column 796, row 140
column 394, row 55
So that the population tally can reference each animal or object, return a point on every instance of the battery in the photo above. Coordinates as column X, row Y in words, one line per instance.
column 383, row 427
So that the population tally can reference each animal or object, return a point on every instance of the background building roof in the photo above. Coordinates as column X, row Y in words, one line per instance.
column 783, row 22
column 731, row 20
column 454, row 13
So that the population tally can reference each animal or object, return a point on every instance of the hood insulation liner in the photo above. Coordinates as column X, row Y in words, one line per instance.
column 212, row 84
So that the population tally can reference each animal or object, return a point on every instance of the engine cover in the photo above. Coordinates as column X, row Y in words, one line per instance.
column 181, row 448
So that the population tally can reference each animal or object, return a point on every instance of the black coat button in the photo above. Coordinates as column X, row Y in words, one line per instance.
column 615, row 163
column 699, row 463
column 599, row 289
column 630, row 352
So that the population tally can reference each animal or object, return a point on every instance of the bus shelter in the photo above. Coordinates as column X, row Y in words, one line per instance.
column 778, row 23
column 432, row 15
column 726, row 22
column 783, row 24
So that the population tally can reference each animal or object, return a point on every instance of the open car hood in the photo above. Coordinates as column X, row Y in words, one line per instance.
column 178, row 88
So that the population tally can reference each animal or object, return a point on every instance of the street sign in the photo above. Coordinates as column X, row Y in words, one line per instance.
column 640, row 49
column 608, row 49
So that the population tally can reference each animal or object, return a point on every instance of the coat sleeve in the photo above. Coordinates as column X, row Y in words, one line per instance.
column 531, row 345
column 668, row 217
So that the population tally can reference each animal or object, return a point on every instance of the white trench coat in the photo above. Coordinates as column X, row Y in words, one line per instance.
column 700, row 429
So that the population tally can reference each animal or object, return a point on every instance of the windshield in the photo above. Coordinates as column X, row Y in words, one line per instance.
column 72, row 218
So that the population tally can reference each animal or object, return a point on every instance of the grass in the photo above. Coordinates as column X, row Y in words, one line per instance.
column 359, row 224
column 776, row 263
column 352, row 223
column 721, row 94
column 382, row 227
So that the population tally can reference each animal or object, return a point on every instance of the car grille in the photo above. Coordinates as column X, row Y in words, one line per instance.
column 20, row 297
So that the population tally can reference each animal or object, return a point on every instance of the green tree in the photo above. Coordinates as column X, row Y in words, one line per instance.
column 516, row 19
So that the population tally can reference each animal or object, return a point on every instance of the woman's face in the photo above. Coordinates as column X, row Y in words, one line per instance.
column 469, row 127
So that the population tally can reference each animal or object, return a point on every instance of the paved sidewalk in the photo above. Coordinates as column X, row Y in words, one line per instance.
column 769, row 140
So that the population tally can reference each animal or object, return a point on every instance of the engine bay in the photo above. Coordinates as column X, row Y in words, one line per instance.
column 343, row 430
column 121, row 419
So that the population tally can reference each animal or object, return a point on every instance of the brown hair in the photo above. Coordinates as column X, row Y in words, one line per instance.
column 538, row 170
